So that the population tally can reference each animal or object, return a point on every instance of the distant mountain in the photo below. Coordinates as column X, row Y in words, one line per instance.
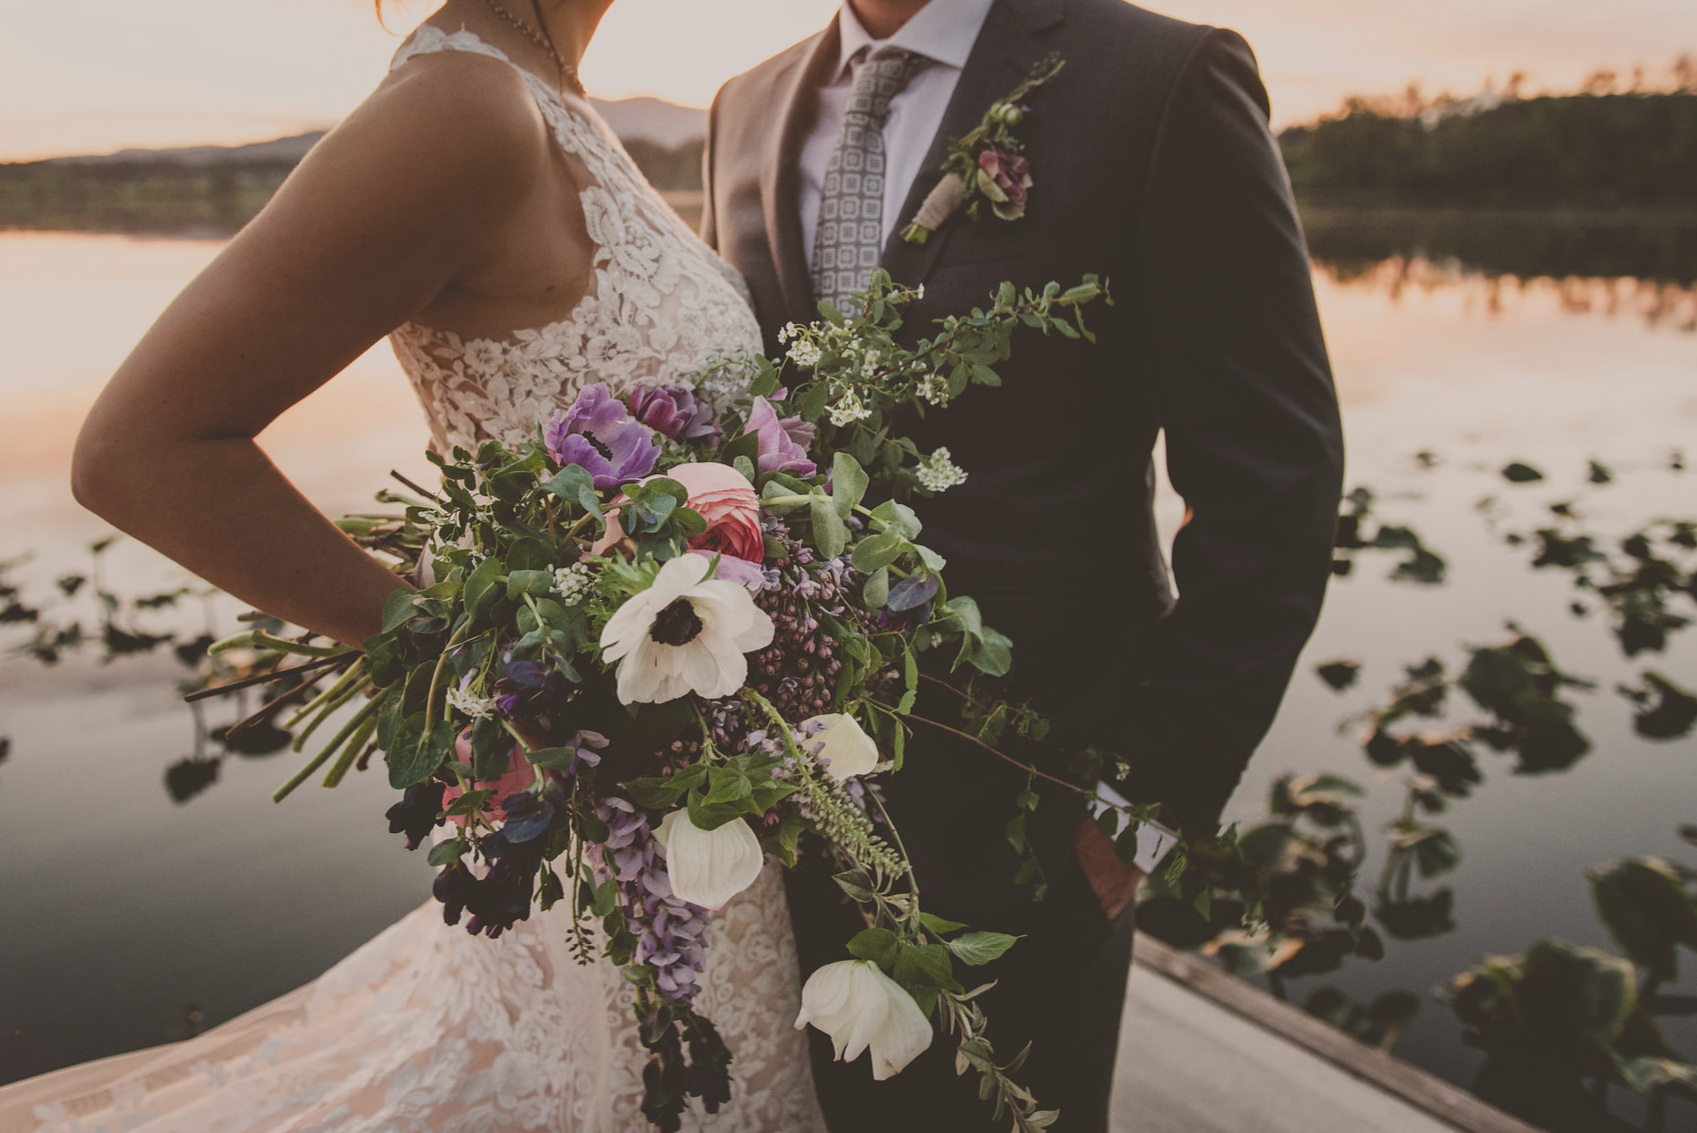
column 279, row 150
column 653, row 120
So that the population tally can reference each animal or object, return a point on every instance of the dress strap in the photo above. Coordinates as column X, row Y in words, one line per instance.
column 429, row 39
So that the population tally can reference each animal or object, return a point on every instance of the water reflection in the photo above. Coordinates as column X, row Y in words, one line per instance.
column 1659, row 303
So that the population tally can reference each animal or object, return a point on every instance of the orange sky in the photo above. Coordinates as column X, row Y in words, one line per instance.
column 92, row 75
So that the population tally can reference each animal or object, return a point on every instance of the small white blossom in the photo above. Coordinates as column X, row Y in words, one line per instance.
column 476, row 707
column 848, row 410
column 937, row 473
column 789, row 331
column 573, row 583
column 934, row 389
column 804, row 354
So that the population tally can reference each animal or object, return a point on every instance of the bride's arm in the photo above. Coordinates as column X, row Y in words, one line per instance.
column 402, row 199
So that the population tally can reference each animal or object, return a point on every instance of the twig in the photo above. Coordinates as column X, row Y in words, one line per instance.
column 266, row 678
column 998, row 753
column 425, row 492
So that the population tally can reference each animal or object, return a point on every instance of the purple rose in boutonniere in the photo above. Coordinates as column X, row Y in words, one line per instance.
column 987, row 164
column 1004, row 178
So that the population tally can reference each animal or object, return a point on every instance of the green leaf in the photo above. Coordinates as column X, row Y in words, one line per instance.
column 981, row 947
column 532, row 582
column 419, row 754
column 480, row 588
column 606, row 898
column 1648, row 910
column 397, row 608
column 891, row 516
column 856, row 884
column 444, row 852
column 875, row 552
column 574, row 484
column 875, row 944
column 942, row 926
column 848, row 483
column 877, row 589
column 829, row 534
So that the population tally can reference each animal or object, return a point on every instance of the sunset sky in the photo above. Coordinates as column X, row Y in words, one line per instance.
column 80, row 76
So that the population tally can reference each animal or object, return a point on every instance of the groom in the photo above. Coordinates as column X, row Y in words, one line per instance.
column 1153, row 167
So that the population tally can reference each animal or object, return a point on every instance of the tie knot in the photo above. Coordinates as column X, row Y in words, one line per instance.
column 883, row 74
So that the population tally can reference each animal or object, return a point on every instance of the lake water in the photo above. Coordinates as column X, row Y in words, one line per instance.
column 131, row 920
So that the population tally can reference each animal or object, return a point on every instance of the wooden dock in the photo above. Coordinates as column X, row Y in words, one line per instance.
column 1201, row 1051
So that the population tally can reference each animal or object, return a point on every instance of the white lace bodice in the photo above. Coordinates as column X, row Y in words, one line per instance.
column 662, row 307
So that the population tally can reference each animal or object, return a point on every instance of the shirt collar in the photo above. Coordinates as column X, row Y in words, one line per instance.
column 942, row 31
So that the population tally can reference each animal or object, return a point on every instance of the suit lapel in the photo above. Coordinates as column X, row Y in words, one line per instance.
column 1004, row 54
column 796, row 104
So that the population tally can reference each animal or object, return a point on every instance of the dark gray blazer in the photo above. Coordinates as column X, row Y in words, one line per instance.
column 1154, row 167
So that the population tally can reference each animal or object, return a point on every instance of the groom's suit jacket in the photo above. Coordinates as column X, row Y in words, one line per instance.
column 1154, row 168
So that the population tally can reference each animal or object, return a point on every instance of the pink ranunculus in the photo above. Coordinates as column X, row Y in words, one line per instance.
column 1005, row 180
column 727, row 501
column 518, row 777
column 783, row 441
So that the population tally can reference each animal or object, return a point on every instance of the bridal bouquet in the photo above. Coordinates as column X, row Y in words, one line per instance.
column 658, row 645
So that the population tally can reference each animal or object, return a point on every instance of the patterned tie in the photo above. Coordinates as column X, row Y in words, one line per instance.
column 850, row 236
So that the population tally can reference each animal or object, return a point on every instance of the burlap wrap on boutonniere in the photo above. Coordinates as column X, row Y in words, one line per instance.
column 986, row 165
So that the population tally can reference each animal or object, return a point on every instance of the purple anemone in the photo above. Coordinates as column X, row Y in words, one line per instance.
column 598, row 434
column 673, row 412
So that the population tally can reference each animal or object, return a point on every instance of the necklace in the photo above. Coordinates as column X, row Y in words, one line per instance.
column 568, row 71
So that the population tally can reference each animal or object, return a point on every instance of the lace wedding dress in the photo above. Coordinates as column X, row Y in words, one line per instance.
column 426, row 1029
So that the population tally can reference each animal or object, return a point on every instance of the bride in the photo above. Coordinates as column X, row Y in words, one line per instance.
column 478, row 212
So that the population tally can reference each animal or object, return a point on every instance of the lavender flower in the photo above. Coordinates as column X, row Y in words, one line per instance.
column 598, row 434
column 672, row 411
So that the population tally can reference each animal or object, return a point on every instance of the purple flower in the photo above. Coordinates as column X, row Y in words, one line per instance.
column 783, row 443
column 672, row 412
column 598, row 434
column 671, row 933
column 1004, row 177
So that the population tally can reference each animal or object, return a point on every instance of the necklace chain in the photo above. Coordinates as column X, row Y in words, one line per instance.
column 568, row 71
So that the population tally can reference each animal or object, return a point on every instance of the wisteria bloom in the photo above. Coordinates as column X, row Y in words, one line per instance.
column 598, row 434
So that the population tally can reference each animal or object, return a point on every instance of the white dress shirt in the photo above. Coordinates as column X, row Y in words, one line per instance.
column 943, row 31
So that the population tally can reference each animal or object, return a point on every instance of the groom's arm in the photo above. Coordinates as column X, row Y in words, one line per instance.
column 1254, row 444
column 709, row 222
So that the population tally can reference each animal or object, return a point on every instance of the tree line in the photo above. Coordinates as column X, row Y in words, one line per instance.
column 1610, row 144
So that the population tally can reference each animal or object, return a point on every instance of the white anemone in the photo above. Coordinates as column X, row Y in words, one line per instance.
column 685, row 633
column 839, row 738
column 855, row 1003
column 708, row 867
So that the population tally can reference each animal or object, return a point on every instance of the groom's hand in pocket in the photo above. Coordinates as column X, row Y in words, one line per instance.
column 1113, row 882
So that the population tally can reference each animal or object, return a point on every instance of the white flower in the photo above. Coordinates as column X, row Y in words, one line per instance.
column 840, row 739
column 804, row 354
column 685, row 633
column 937, row 473
column 934, row 389
column 708, row 867
column 855, row 1003
column 476, row 707
column 573, row 583
column 848, row 409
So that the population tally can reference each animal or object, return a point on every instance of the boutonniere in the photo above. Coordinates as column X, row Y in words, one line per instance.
column 986, row 165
